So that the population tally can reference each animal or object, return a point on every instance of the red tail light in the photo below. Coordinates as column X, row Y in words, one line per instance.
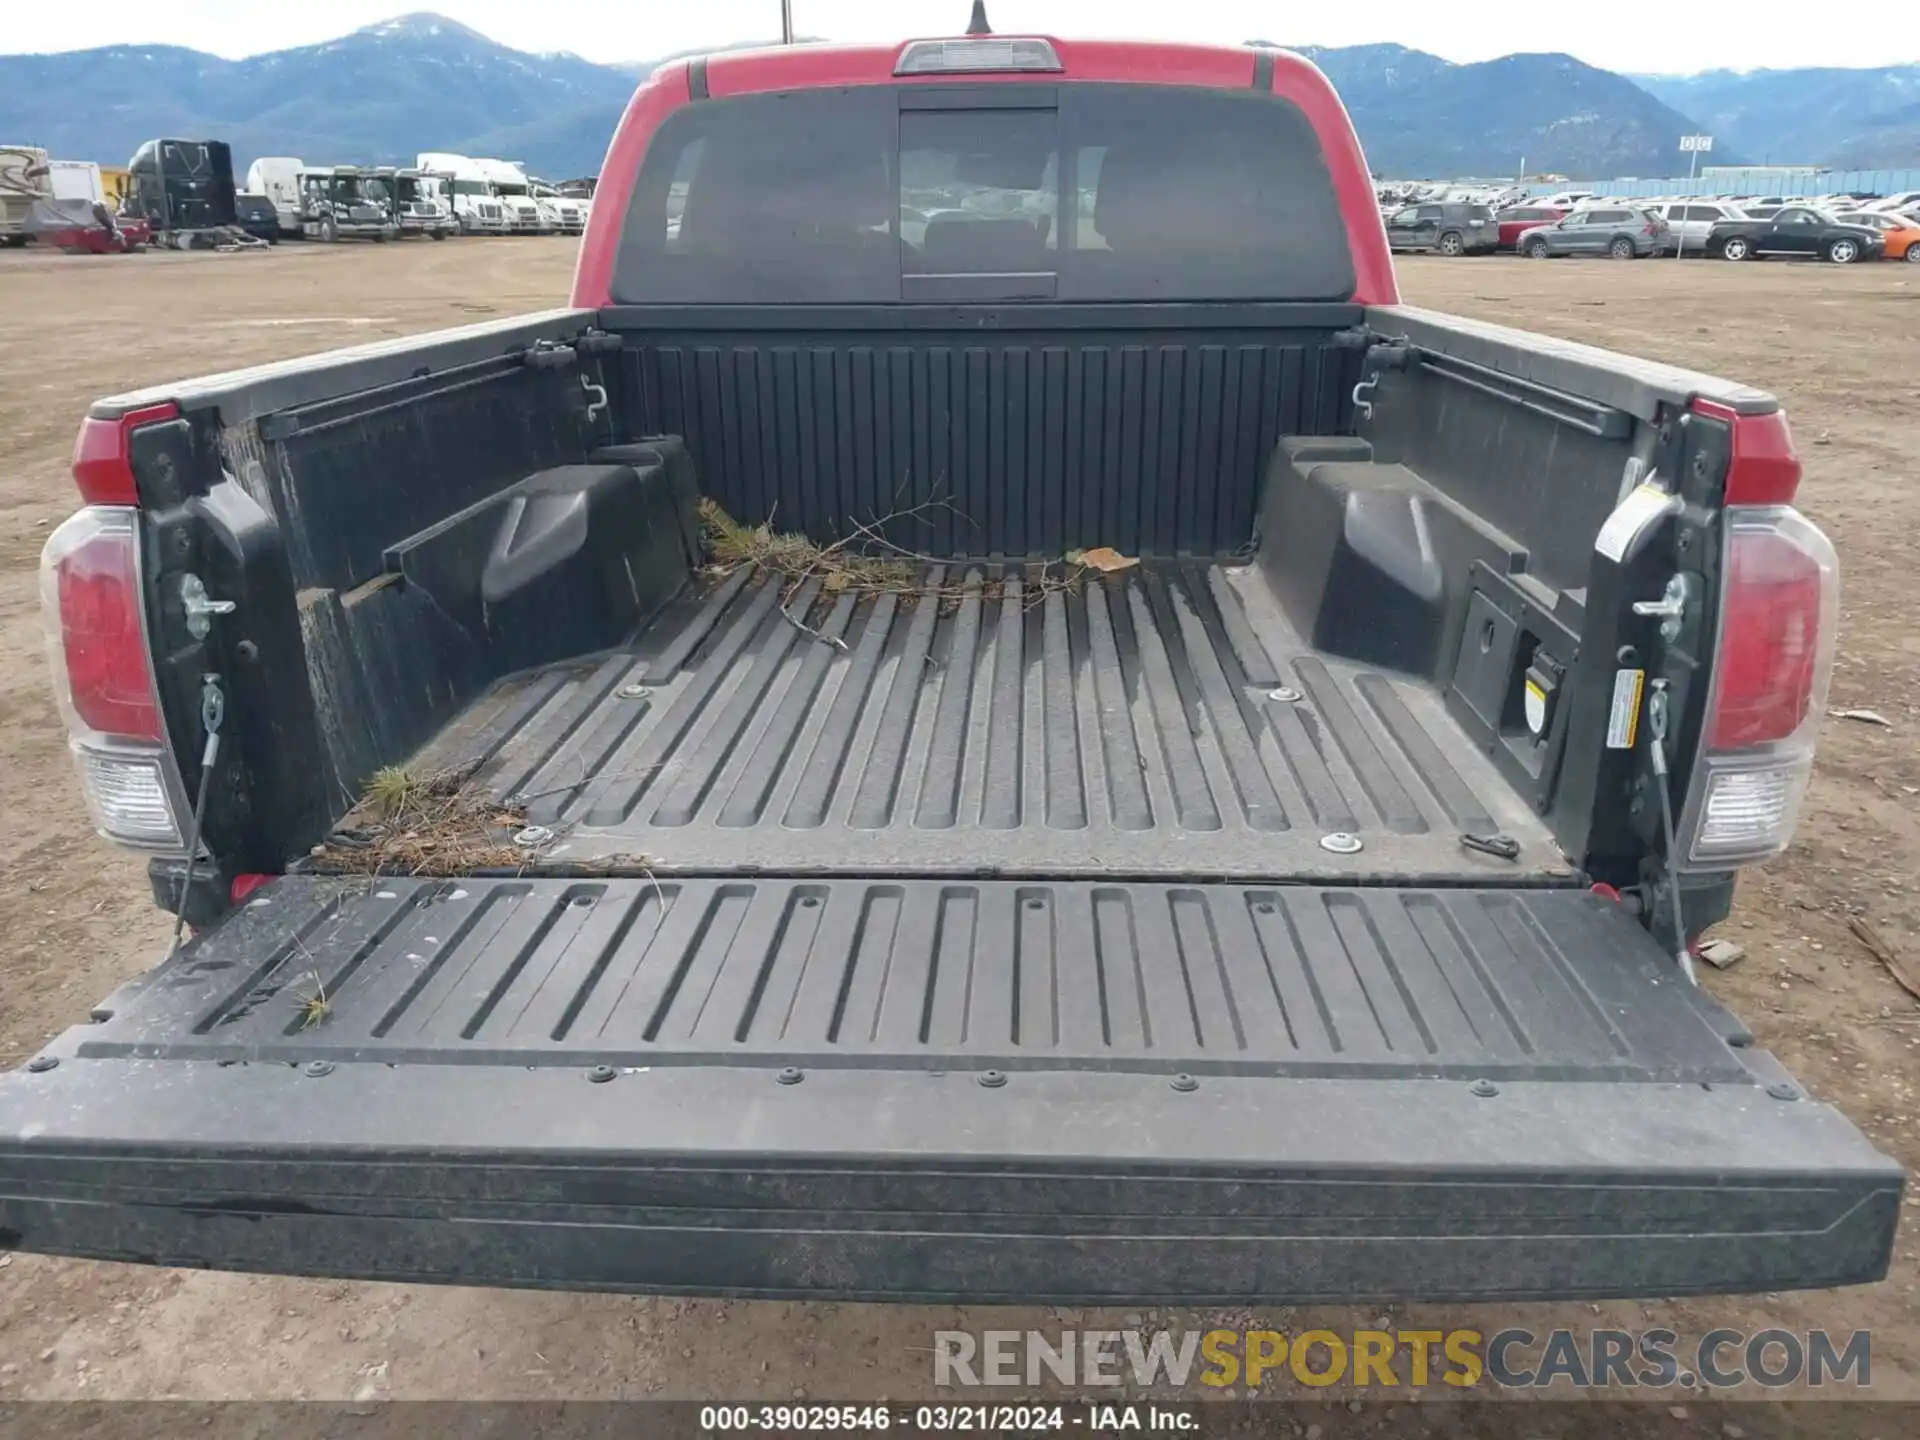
column 101, row 467
column 102, row 680
column 1779, row 610
column 1770, row 640
column 109, row 682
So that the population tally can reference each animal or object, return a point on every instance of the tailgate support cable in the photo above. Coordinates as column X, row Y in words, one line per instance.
column 213, row 709
column 1657, row 735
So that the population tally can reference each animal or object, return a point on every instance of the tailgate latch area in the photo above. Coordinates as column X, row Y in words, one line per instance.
column 1671, row 608
column 200, row 607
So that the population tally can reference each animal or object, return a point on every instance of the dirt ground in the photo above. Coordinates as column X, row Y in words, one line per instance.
column 1841, row 346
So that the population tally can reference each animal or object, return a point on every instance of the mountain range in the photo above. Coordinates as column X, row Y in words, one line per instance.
column 1852, row 118
column 1421, row 116
column 423, row 82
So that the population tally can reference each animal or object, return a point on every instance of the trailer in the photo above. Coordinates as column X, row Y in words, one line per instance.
column 23, row 180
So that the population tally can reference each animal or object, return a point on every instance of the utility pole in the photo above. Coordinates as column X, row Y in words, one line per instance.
column 786, row 22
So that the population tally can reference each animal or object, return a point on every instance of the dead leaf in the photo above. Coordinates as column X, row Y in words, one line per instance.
column 1865, row 717
column 1107, row 560
column 836, row 581
column 1885, row 954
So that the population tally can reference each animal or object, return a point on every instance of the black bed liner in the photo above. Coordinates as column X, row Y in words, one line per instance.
column 1125, row 726
column 939, row 1089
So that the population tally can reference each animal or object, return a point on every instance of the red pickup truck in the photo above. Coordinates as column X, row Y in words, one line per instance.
column 1031, row 733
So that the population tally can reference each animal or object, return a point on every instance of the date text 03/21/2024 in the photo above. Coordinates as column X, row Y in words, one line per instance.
column 1089, row 1419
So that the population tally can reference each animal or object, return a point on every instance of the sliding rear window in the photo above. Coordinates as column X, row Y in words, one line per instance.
column 984, row 192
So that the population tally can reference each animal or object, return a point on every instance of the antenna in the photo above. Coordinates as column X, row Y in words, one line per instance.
column 978, row 24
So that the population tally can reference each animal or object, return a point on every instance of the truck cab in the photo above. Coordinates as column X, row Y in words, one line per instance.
column 515, row 195
column 422, row 202
column 278, row 178
column 347, row 202
column 477, row 210
column 184, row 189
column 559, row 212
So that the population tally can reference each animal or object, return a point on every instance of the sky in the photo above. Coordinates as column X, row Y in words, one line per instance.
column 1668, row 38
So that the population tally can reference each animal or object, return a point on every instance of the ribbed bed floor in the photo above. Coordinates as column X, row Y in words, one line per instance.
column 1142, row 723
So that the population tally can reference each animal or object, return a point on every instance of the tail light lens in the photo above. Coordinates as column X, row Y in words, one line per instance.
column 103, row 679
column 1779, row 610
column 96, row 612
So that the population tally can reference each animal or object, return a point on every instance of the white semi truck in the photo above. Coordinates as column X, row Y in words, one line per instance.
column 477, row 210
column 422, row 203
column 560, row 212
column 515, row 193
column 278, row 178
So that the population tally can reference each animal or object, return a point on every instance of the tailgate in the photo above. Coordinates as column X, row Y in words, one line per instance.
column 971, row 1090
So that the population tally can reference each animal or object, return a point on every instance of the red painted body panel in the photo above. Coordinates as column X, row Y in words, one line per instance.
column 101, row 468
column 1765, row 469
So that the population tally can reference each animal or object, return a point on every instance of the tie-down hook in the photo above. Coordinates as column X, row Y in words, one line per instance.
column 1366, row 387
column 596, row 397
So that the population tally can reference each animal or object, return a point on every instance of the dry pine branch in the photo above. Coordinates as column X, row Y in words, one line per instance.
column 866, row 562
column 429, row 824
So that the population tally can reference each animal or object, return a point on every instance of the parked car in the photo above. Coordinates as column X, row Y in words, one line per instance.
column 1623, row 232
column 1691, row 221
column 1794, row 231
column 1514, row 223
column 1899, row 234
column 1445, row 229
column 1903, row 200
column 258, row 216
column 929, row 987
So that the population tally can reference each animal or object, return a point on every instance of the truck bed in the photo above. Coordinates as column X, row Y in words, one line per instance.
column 996, row 957
column 1045, row 939
column 1164, row 721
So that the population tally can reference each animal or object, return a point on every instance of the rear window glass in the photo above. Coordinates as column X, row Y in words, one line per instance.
column 883, row 193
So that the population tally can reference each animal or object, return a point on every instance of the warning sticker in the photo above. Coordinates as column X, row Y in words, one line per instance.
column 1644, row 504
column 1623, row 715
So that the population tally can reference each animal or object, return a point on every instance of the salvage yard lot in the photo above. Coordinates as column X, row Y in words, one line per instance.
column 1841, row 346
